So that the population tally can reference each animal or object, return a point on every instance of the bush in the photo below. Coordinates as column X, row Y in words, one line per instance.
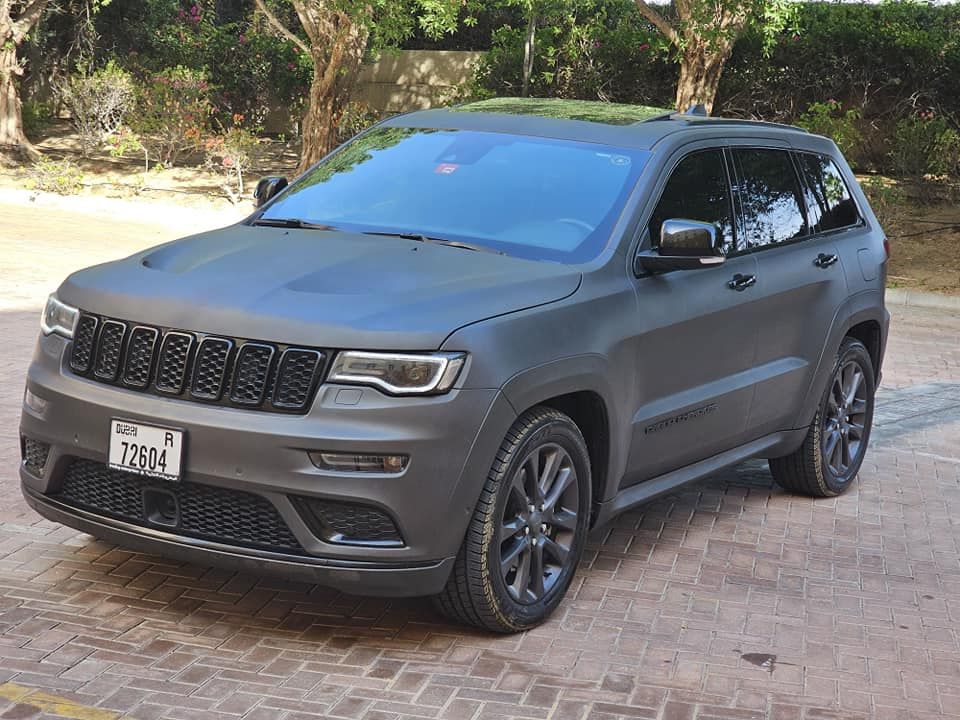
column 356, row 118
column 98, row 103
column 231, row 153
column 36, row 115
column 923, row 147
column 172, row 111
column 831, row 120
column 57, row 176
column 885, row 197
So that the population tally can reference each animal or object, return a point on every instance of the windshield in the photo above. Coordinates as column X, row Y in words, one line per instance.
column 532, row 197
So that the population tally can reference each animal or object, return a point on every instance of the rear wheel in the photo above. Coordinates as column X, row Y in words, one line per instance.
column 831, row 454
column 527, row 533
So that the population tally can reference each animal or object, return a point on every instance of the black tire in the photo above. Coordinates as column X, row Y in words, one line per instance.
column 827, row 462
column 479, row 592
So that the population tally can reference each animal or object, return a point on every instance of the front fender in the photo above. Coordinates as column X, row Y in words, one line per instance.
column 578, row 373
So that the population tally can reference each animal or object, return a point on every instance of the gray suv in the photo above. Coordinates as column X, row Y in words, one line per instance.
column 431, row 364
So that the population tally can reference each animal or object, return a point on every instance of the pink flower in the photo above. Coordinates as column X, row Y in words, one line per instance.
column 291, row 66
column 645, row 46
column 243, row 39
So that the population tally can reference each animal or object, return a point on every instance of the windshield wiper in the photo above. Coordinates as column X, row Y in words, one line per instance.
column 293, row 223
column 419, row 237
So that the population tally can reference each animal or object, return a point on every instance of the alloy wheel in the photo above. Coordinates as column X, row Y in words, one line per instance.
column 539, row 523
column 845, row 418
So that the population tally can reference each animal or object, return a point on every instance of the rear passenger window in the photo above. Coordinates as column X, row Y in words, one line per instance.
column 697, row 190
column 770, row 197
column 828, row 197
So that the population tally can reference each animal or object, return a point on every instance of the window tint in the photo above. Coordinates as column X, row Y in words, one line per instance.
column 828, row 198
column 770, row 198
column 697, row 190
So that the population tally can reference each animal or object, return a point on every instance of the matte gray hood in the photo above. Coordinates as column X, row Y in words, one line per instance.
column 327, row 289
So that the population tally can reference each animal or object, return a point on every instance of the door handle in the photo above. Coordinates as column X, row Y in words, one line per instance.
column 824, row 261
column 742, row 282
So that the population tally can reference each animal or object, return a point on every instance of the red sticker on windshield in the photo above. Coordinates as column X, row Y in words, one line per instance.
column 446, row 168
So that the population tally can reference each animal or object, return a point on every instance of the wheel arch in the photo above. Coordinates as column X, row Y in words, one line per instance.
column 864, row 317
column 579, row 387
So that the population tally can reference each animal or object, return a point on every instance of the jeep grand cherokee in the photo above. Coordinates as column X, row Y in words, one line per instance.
column 433, row 362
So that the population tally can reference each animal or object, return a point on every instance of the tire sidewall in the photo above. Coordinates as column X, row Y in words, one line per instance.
column 829, row 481
column 563, row 433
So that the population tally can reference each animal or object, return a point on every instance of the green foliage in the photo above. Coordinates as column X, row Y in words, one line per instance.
column 885, row 197
column 251, row 71
column 98, row 103
column 172, row 111
column 57, row 176
column 36, row 115
column 356, row 118
column 831, row 120
column 925, row 146
column 597, row 49
column 610, row 113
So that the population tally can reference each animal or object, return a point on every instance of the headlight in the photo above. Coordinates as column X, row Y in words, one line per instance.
column 399, row 374
column 58, row 318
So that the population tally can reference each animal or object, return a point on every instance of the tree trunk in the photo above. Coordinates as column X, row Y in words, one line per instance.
column 11, row 118
column 700, row 71
column 529, row 48
column 335, row 69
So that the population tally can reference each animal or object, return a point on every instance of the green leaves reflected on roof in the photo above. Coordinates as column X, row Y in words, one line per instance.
column 591, row 111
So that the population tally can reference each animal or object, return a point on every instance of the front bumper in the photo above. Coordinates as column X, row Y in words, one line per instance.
column 451, row 441
column 358, row 577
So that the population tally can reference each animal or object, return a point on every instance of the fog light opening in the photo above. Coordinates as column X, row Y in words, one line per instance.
column 34, row 402
column 349, row 462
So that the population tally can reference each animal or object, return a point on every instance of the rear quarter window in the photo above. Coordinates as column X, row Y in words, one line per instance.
column 829, row 203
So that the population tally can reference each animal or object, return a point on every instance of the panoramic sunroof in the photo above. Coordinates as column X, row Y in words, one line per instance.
column 591, row 111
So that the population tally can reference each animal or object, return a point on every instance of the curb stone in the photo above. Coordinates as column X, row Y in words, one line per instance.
column 918, row 298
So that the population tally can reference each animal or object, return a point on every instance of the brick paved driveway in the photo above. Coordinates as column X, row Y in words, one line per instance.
column 731, row 599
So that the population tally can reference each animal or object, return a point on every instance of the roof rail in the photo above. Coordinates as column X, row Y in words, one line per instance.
column 698, row 119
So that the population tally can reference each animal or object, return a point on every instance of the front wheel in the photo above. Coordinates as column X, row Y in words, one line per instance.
column 528, row 530
column 831, row 454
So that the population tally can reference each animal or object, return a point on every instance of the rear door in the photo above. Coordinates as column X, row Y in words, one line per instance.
column 695, row 334
column 800, row 277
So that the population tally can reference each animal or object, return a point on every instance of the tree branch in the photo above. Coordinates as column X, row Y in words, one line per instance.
column 659, row 22
column 280, row 27
column 27, row 19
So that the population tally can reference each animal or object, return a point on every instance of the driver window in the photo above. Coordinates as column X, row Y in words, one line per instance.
column 697, row 190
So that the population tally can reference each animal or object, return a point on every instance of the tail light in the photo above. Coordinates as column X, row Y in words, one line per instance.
column 886, row 249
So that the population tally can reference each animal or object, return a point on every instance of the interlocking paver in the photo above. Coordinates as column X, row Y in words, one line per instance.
column 730, row 599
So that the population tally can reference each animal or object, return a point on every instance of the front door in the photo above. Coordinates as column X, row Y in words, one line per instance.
column 696, row 335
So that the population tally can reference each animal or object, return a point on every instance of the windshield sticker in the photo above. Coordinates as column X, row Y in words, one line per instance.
column 615, row 159
column 446, row 168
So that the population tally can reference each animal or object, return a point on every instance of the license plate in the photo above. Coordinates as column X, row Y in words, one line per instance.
column 145, row 449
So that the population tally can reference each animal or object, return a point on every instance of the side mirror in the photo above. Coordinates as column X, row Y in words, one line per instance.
column 684, row 245
column 267, row 189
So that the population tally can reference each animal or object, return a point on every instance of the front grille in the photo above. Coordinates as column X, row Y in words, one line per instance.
column 347, row 523
column 109, row 350
column 194, row 366
column 136, row 371
column 231, row 517
column 210, row 370
column 34, row 454
column 83, row 338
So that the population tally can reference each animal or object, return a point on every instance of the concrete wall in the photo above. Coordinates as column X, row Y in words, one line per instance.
column 414, row 79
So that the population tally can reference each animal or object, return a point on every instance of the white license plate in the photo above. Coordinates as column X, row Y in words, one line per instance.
column 146, row 450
